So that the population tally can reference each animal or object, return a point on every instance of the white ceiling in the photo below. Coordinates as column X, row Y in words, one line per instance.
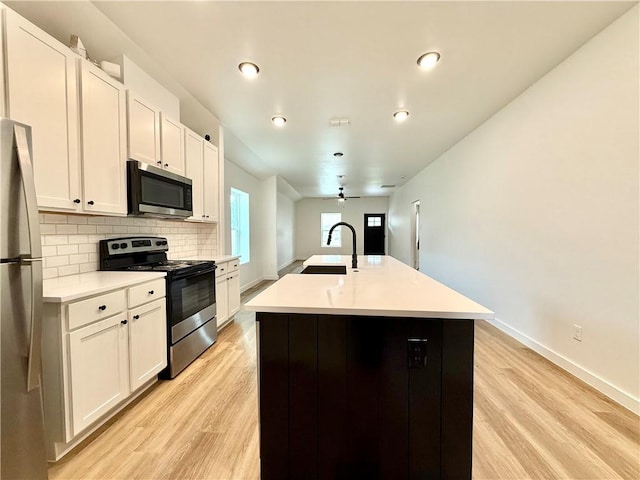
column 356, row 60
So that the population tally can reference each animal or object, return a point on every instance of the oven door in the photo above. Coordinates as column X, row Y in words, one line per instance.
column 191, row 303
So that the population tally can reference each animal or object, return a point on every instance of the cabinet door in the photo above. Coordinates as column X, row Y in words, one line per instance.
column 143, row 129
column 211, row 182
column 104, row 137
column 99, row 362
column 147, row 342
column 233, row 280
column 222, row 301
column 42, row 92
column 172, row 141
column 193, row 150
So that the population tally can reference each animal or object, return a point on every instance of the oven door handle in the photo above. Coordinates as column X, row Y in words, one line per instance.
column 206, row 271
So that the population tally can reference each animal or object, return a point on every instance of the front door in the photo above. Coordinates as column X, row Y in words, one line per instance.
column 374, row 232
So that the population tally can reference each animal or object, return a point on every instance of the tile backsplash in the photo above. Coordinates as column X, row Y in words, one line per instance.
column 70, row 242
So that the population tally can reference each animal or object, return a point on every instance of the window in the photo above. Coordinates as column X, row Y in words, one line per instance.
column 327, row 220
column 374, row 221
column 240, row 238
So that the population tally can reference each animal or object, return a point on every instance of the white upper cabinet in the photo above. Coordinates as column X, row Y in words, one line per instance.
column 211, row 182
column 201, row 158
column 172, row 144
column 104, row 141
column 42, row 92
column 143, row 129
column 194, row 152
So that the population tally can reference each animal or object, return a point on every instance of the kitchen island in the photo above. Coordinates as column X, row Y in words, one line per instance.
column 365, row 375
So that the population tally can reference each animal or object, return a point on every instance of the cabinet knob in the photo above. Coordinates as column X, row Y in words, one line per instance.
column 207, row 216
column 77, row 200
column 166, row 164
column 203, row 216
column 159, row 162
column 150, row 292
column 124, row 322
column 135, row 317
column 102, row 307
column 90, row 202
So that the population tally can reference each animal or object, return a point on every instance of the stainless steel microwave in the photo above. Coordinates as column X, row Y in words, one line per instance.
column 152, row 191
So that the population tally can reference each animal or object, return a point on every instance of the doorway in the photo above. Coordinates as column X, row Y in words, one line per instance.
column 374, row 233
column 415, row 234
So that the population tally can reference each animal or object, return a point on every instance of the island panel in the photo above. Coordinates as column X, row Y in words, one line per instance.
column 347, row 405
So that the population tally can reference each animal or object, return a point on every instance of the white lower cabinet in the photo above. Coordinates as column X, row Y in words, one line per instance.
column 98, row 354
column 147, row 342
column 99, row 360
column 227, row 291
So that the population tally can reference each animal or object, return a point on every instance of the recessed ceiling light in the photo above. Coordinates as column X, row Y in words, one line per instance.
column 278, row 120
column 428, row 60
column 401, row 115
column 249, row 69
column 338, row 154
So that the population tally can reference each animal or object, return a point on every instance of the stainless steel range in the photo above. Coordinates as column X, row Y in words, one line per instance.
column 191, row 296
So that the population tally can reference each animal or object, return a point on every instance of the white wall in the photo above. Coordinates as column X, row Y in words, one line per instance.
column 268, row 236
column 308, row 212
column 286, row 234
column 535, row 214
column 251, row 272
column 286, row 223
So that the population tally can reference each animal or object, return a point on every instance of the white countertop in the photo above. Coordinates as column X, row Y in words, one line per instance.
column 381, row 286
column 73, row 287
column 224, row 258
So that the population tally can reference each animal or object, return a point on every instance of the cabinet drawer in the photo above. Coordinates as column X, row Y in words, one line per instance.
column 233, row 265
column 223, row 269
column 96, row 308
column 147, row 292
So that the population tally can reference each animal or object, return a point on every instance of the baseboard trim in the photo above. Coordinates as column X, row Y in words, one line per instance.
column 286, row 264
column 252, row 284
column 623, row 398
column 271, row 277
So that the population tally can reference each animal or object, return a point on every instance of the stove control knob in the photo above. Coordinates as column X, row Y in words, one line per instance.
column 115, row 246
column 158, row 242
column 164, row 242
column 123, row 245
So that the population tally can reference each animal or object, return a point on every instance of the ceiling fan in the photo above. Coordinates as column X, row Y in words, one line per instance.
column 341, row 196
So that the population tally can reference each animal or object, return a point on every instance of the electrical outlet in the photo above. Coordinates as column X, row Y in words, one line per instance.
column 577, row 332
column 417, row 352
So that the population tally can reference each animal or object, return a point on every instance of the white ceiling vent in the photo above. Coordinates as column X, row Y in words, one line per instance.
column 339, row 122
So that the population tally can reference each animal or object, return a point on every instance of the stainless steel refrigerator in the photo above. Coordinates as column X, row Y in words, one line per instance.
column 22, row 450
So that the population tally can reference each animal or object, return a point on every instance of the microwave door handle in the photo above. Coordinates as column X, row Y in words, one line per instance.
column 34, row 259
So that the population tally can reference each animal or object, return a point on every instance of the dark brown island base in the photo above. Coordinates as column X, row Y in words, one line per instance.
column 365, row 396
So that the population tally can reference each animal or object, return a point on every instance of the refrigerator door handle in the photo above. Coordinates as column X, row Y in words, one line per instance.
column 34, row 368
column 29, row 186
column 34, row 260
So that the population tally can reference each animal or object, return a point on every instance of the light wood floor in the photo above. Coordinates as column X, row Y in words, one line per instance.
column 531, row 420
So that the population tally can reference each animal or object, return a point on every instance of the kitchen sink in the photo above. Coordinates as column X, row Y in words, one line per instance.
column 326, row 269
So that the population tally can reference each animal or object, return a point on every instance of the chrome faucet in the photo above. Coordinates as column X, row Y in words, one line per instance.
column 354, row 257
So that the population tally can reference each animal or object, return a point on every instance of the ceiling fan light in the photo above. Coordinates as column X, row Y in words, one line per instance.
column 278, row 120
column 248, row 69
column 428, row 60
column 401, row 115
